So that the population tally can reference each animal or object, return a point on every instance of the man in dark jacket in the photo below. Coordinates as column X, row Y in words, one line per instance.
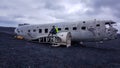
column 52, row 31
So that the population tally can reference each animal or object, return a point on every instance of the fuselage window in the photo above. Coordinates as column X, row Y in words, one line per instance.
column 66, row 28
column 46, row 30
column 59, row 29
column 74, row 28
column 28, row 30
column 98, row 25
column 83, row 21
column 34, row 30
column 40, row 30
column 83, row 28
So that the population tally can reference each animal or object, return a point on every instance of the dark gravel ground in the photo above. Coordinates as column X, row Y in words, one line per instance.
column 23, row 54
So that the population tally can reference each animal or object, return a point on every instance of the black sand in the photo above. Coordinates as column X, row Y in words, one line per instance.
column 23, row 54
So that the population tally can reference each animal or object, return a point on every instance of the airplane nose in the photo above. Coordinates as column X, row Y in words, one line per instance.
column 113, row 33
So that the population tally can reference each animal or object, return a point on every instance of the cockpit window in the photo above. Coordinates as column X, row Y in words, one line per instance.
column 113, row 22
column 110, row 22
column 98, row 25
column 107, row 22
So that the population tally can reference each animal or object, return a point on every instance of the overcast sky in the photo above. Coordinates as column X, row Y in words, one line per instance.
column 13, row 12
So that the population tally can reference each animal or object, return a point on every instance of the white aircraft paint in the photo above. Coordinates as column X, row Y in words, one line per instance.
column 93, row 30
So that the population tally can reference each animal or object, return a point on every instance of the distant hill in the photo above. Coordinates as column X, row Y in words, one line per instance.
column 7, row 29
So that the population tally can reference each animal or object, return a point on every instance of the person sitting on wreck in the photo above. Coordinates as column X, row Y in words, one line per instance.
column 53, row 31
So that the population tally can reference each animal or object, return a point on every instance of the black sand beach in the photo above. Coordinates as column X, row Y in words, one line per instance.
column 23, row 54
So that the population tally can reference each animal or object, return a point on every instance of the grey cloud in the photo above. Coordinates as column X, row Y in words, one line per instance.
column 4, row 7
column 112, row 4
column 109, row 3
column 52, row 4
column 6, row 21
column 40, row 10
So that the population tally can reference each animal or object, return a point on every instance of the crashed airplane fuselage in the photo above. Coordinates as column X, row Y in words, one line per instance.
column 81, row 31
